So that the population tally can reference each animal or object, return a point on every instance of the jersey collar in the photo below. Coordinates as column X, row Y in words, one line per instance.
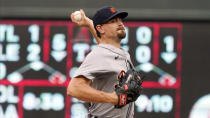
column 114, row 49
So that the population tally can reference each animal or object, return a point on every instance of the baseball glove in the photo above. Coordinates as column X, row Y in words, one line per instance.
column 129, row 87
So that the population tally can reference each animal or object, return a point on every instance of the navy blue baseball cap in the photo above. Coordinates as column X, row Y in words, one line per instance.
column 105, row 14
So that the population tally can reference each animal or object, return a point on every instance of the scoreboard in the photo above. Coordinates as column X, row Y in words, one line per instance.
column 156, row 50
column 36, row 58
column 39, row 57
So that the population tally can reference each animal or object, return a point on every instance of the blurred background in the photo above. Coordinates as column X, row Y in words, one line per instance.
column 40, row 49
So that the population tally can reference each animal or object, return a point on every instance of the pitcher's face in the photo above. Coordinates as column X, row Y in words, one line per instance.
column 114, row 28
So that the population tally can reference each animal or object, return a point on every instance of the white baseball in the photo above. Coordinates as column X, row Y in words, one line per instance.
column 77, row 15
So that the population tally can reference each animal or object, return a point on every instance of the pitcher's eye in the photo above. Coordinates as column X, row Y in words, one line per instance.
column 113, row 20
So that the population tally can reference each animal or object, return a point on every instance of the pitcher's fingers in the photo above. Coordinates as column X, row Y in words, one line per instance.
column 72, row 16
column 82, row 12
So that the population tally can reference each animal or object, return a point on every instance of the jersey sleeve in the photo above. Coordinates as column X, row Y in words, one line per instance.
column 93, row 66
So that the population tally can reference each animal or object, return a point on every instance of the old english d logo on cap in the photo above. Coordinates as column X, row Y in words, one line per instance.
column 112, row 10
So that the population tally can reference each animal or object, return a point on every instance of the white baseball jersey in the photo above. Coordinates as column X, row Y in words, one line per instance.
column 103, row 65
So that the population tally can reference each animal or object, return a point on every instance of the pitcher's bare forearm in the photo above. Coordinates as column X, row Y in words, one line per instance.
column 93, row 31
column 79, row 88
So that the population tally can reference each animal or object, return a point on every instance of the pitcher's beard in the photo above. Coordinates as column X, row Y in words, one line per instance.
column 121, row 35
